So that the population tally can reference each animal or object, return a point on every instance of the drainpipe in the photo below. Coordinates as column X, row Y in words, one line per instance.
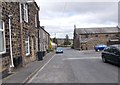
column 21, row 35
column 12, row 64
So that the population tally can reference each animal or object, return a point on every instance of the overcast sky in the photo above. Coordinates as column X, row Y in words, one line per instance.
column 59, row 17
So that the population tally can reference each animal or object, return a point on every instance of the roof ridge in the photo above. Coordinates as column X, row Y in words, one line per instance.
column 95, row 27
column 97, row 30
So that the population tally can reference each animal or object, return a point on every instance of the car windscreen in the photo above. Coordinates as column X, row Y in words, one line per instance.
column 59, row 49
column 101, row 46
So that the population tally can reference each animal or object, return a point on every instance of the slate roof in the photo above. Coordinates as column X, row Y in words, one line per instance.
column 97, row 30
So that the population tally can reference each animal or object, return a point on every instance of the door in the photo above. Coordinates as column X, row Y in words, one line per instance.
column 32, row 49
column 115, row 55
column 107, row 53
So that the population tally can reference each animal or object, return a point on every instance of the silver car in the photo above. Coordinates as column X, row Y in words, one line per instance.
column 59, row 50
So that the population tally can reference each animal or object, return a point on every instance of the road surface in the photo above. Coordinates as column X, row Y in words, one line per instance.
column 75, row 66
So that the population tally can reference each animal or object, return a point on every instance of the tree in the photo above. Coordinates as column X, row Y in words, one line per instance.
column 66, row 41
column 55, row 40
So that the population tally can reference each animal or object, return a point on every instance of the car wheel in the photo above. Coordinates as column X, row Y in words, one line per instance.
column 104, row 60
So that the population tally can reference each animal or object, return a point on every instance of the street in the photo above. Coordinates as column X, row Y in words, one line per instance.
column 75, row 66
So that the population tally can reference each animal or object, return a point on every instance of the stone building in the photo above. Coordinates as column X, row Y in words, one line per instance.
column 44, row 39
column 87, row 38
column 47, row 40
column 19, row 25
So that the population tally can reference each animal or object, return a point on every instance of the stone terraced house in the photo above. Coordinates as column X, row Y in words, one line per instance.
column 19, row 34
column 44, row 39
column 87, row 38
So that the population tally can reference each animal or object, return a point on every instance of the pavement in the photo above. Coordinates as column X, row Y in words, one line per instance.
column 25, row 73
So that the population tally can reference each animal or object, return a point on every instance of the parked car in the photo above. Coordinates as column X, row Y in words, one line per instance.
column 59, row 50
column 100, row 47
column 111, row 54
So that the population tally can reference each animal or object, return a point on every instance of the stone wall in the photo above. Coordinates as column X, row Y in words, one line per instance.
column 18, row 36
column 30, row 29
column 76, row 41
column 11, row 8
column 44, row 39
column 95, row 40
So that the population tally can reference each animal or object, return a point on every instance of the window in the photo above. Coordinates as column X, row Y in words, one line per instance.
column 107, row 49
column 96, row 35
column 86, row 36
column 35, row 20
column 2, row 37
column 25, row 7
column 117, row 35
column 27, row 45
column 115, row 51
column 106, row 35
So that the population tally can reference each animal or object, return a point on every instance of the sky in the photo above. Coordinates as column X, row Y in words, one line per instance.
column 60, row 16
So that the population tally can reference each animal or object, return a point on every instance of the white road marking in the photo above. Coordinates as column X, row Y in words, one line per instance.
column 82, row 58
column 40, row 70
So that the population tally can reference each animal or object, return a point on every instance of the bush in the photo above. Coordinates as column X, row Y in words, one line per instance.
column 49, row 50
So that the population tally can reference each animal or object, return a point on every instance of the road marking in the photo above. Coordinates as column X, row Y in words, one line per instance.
column 40, row 70
column 82, row 58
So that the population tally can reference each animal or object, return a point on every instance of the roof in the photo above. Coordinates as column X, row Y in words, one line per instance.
column 37, row 6
column 42, row 27
column 96, row 30
column 31, row 2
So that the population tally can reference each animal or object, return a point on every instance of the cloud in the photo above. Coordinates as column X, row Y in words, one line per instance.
column 60, row 17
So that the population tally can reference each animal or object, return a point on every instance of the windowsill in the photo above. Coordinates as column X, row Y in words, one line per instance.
column 2, row 52
column 27, row 54
column 25, row 21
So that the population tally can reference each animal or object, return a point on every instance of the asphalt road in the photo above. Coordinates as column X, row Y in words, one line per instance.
column 76, row 67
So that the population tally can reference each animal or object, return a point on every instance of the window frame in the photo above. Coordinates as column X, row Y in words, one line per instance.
column 25, row 8
column 28, row 45
column 3, row 30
